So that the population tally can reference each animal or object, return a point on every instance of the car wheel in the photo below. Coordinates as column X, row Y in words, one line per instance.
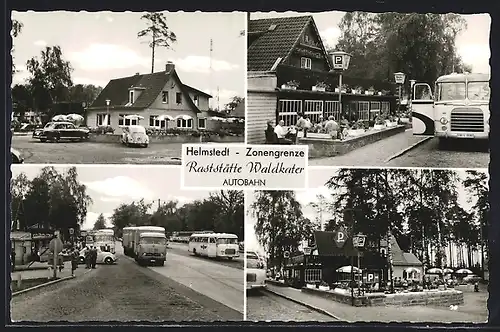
column 57, row 138
column 108, row 260
column 43, row 140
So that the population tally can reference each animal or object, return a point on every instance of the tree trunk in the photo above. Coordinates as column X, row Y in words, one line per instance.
column 153, row 45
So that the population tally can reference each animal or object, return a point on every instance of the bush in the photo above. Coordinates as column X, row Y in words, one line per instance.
column 101, row 130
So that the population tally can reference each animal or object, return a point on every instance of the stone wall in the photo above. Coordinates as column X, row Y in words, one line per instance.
column 326, row 147
column 169, row 139
column 436, row 298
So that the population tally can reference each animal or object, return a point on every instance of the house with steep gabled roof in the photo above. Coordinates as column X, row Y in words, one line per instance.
column 289, row 71
column 159, row 100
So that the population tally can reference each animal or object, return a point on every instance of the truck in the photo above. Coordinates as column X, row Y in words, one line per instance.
column 136, row 235
column 151, row 248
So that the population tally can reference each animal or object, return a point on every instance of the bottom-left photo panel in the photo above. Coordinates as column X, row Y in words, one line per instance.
column 123, row 244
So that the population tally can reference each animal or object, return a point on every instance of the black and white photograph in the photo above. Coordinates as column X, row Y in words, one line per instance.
column 125, row 88
column 371, row 245
column 123, row 244
column 371, row 89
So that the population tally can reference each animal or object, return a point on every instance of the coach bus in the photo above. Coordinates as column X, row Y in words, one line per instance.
column 459, row 108
column 105, row 239
column 183, row 236
column 214, row 245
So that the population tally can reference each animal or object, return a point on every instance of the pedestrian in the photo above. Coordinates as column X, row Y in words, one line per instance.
column 476, row 287
column 94, row 257
column 75, row 256
column 87, row 258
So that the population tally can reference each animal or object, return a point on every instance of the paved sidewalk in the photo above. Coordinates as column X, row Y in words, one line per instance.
column 374, row 154
column 381, row 314
column 34, row 266
column 41, row 273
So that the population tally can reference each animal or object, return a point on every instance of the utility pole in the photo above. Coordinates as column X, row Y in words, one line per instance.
column 210, row 67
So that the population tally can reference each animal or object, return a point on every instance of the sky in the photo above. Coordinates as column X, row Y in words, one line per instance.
column 317, row 179
column 104, row 45
column 113, row 185
column 473, row 44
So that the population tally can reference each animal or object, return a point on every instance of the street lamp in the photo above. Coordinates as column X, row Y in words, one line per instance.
column 399, row 77
column 340, row 62
column 107, row 110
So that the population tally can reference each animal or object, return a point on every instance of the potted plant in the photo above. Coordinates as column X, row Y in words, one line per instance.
column 323, row 286
column 291, row 85
column 357, row 128
column 310, row 286
column 370, row 91
column 379, row 123
column 391, row 121
column 343, row 88
column 320, row 86
column 357, row 90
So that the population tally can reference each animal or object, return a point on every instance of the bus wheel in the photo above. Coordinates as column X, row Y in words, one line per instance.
column 444, row 143
column 194, row 252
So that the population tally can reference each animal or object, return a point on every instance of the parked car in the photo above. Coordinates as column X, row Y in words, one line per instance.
column 255, row 271
column 103, row 257
column 16, row 156
column 135, row 135
column 56, row 131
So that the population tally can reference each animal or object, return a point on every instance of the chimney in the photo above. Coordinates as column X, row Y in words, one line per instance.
column 137, row 74
column 169, row 66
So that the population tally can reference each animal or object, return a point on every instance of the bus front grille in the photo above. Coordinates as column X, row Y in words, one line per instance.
column 230, row 251
column 467, row 120
column 251, row 277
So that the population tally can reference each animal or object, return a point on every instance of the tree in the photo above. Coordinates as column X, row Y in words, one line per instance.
column 50, row 77
column 100, row 222
column 133, row 214
column 17, row 27
column 158, row 32
column 84, row 93
column 235, row 101
column 230, row 211
column 22, row 100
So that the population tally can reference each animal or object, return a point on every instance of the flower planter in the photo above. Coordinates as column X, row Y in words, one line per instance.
column 310, row 286
column 405, row 120
column 355, row 132
column 319, row 88
column 344, row 91
column 391, row 124
column 379, row 93
column 324, row 288
column 288, row 87
column 369, row 93
column 337, row 90
column 378, row 126
column 354, row 92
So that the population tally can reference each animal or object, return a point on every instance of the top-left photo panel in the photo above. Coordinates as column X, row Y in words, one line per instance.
column 125, row 88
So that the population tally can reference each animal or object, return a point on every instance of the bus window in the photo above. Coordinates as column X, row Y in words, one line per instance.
column 478, row 91
column 422, row 92
column 212, row 240
column 451, row 91
column 227, row 241
column 152, row 240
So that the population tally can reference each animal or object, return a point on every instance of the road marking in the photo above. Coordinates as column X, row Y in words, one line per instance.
column 324, row 312
column 402, row 152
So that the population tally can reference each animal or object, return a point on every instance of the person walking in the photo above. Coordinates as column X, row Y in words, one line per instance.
column 87, row 258
column 94, row 257
column 75, row 256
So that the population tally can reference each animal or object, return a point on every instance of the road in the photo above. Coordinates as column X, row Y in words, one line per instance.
column 263, row 305
column 218, row 282
column 124, row 292
column 35, row 152
column 182, row 250
column 426, row 154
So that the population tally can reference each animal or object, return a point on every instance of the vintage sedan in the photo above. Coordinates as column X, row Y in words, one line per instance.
column 135, row 136
column 57, row 131
column 103, row 257
column 255, row 270
column 16, row 156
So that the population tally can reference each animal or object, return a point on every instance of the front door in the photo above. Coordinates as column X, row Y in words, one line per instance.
column 422, row 110
column 212, row 247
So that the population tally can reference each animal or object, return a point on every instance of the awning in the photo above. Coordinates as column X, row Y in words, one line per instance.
column 59, row 117
column 347, row 269
column 463, row 271
column 412, row 269
column 184, row 117
column 165, row 117
column 434, row 270
column 133, row 117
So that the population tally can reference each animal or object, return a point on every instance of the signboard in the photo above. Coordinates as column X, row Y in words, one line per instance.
column 340, row 237
column 338, row 62
column 399, row 78
column 371, row 277
column 307, row 251
column 71, row 231
column 359, row 241
column 286, row 254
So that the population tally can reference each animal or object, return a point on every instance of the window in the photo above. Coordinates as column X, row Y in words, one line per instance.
column 306, row 38
column 332, row 108
column 152, row 120
column 386, row 106
column 178, row 98
column 305, row 63
column 478, row 91
column 227, row 241
column 122, row 121
column 313, row 109
column 451, row 91
column 374, row 109
column 363, row 110
column 288, row 110
column 212, row 240
column 181, row 123
column 202, row 123
column 131, row 97
column 164, row 97
column 196, row 101
column 103, row 120
column 313, row 275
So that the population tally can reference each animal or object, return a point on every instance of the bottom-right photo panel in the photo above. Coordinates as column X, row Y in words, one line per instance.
column 385, row 245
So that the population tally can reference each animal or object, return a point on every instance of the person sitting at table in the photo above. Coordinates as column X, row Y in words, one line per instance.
column 332, row 128
column 301, row 125
column 270, row 134
column 292, row 134
column 281, row 132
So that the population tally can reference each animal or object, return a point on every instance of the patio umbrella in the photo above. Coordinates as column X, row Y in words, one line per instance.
column 77, row 118
column 463, row 271
column 165, row 117
column 59, row 117
column 241, row 120
column 434, row 270
column 215, row 118
column 347, row 269
column 134, row 117
column 447, row 271
column 412, row 269
column 231, row 119
column 184, row 117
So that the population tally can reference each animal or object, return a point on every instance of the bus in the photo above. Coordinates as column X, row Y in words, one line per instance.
column 105, row 239
column 137, row 231
column 151, row 248
column 127, row 240
column 183, row 236
column 459, row 108
column 214, row 245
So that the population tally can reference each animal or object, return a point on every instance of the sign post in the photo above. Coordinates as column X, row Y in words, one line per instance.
column 340, row 62
column 359, row 242
column 400, row 79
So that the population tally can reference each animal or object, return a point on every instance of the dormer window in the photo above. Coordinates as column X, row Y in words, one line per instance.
column 306, row 38
column 196, row 101
column 164, row 97
column 131, row 97
column 305, row 63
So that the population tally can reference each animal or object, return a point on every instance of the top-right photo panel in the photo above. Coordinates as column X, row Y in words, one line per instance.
column 371, row 89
